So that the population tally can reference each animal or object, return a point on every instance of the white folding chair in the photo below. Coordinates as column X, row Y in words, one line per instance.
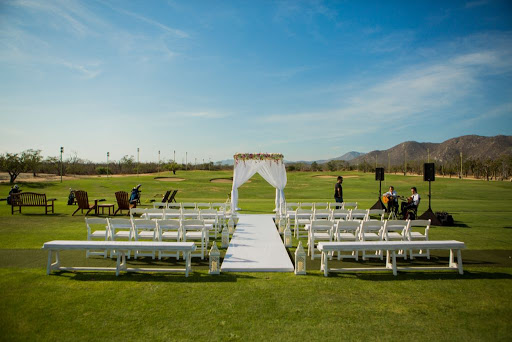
column 174, row 205
column 318, row 230
column 168, row 230
column 195, row 230
column 336, row 205
column 396, row 230
column 349, row 205
column 376, row 214
column 372, row 231
column 172, row 214
column 210, row 218
column 120, row 229
column 321, row 205
column 160, row 205
column 202, row 206
column 145, row 229
column 188, row 205
column 153, row 213
column 221, row 214
column 418, row 236
column 347, row 231
column 340, row 214
column 97, row 228
column 290, row 208
column 137, row 212
column 189, row 214
column 359, row 214
column 307, row 205
column 322, row 214
column 302, row 218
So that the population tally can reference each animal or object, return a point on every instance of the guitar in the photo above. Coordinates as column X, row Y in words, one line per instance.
column 405, row 199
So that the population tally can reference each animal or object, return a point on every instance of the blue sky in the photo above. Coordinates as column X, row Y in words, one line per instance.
column 309, row 79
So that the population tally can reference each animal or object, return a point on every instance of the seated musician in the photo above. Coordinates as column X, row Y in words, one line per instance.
column 392, row 199
column 412, row 202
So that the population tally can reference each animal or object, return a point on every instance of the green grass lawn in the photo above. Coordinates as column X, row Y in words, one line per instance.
column 255, row 306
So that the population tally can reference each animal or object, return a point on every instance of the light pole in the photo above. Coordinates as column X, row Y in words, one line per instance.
column 428, row 155
column 174, row 159
column 209, row 164
column 405, row 161
column 460, row 175
column 138, row 150
column 108, row 155
column 158, row 161
column 61, row 151
column 186, row 161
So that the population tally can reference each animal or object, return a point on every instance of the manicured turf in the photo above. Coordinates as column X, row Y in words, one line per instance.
column 256, row 306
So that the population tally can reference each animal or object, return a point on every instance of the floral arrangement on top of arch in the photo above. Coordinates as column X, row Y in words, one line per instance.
column 258, row 156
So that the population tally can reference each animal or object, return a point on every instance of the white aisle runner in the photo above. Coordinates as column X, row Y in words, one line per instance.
column 256, row 246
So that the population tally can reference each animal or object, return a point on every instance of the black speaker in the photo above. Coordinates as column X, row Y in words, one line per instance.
column 429, row 172
column 379, row 174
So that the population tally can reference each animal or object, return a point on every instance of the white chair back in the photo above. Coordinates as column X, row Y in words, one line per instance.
column 349, row 205
column 160, row 205
column 377, row 214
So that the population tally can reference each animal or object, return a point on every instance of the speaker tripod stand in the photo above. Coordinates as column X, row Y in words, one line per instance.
column 379, row 204
column 429, row 214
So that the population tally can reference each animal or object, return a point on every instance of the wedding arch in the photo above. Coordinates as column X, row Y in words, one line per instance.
column 269, row 165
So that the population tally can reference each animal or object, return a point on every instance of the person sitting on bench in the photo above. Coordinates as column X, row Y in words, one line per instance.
column 412, row 203
column 14, row 190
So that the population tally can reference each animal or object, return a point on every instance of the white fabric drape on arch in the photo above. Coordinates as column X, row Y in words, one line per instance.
column 274, row 172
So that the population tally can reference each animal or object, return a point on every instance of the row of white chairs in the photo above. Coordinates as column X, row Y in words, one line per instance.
column 302, row 217
column 390, row 230
column 193, row 205
column 217, row 218
column 149, row 229
column 292, row 206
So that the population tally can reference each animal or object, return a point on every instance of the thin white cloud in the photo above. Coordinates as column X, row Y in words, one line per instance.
column 176, row 32
column 87, row 71
column 415, row 89
column 65, row 15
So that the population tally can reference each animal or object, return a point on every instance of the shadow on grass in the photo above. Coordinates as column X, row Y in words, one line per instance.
column 37, row 185
column 40, row 214
column 459, row 224
column 194, row 277
column 421, row 275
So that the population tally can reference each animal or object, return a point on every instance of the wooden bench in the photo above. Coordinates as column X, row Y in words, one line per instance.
column 391, row 247
column 121, row 247
column 31, row 199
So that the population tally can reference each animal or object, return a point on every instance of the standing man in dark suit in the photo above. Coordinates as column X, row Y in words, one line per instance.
column 338, row 191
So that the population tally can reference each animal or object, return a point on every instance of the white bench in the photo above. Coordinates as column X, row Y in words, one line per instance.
column 391, row 247
column 122, row 247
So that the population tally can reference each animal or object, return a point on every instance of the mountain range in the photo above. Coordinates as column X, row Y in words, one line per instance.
column 471, row 146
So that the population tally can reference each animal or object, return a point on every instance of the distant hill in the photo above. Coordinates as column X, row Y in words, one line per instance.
column 349, row 156
column 226, row 162
column 471, row 146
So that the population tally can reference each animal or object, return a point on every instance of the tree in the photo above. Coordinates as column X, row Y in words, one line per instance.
column 13, row 164
column 314, row 166
column 126, row 164
column 331, row 165
column 173, row 167
column 33, row 159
